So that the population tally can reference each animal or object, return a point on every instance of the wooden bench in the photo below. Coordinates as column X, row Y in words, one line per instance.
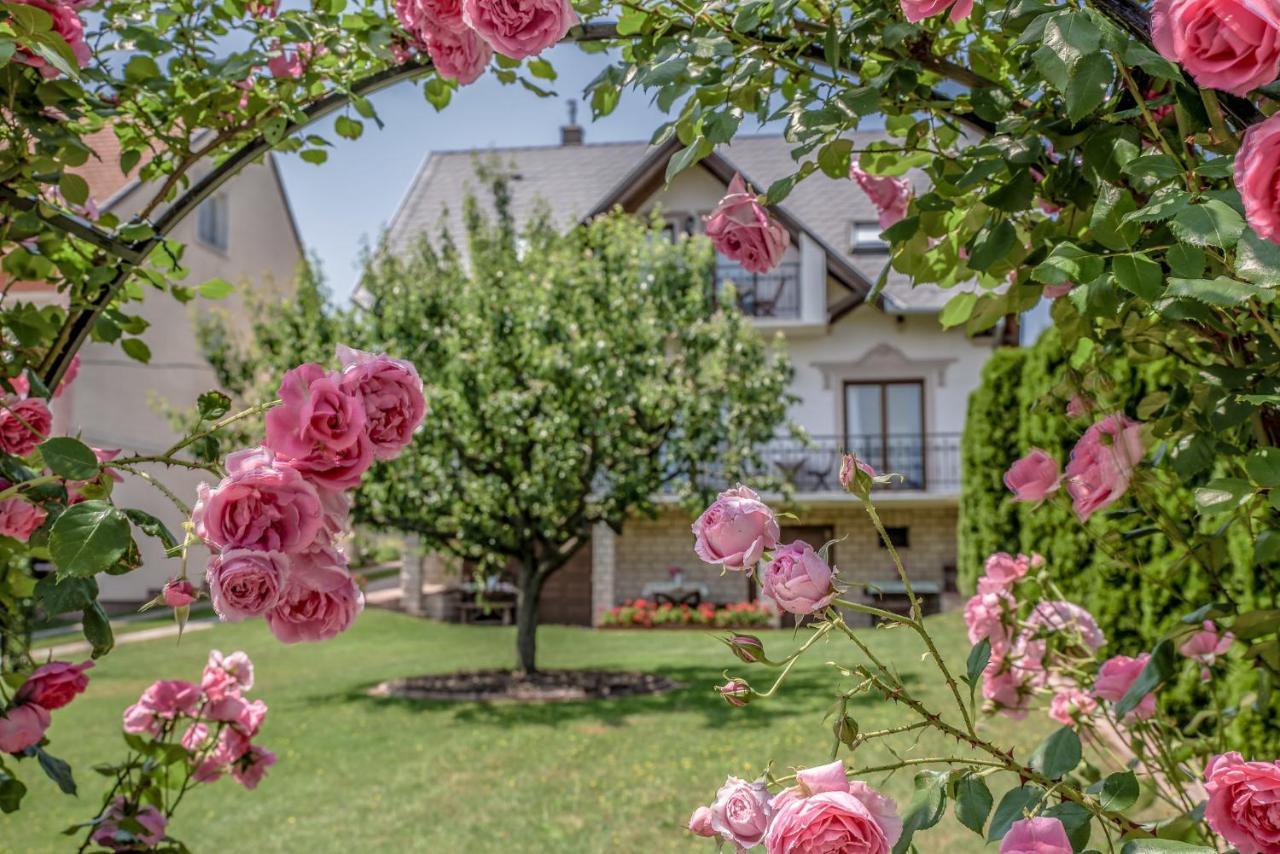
column 473, row 612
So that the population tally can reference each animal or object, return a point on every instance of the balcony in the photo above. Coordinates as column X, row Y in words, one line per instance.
column 775, row 294
column 927, row 463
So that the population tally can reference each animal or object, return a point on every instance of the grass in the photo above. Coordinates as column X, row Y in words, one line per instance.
column 357, row 773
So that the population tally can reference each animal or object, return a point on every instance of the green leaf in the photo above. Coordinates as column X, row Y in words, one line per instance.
column 1107, row 221
column 1087, row 85
column 57, row 770
column 97, row 630
column 1220, row 291
column 73, row 188
column 88, row 538
column 215, row 289
column 926, row 807
column 136, row 349
column 152, row 527
column 991, row 245
column 1158, row 670
column 1223, row 494
column 972, row 802
column 1186, row 261
column 1075, row 820
column 957, row 310
column 1013, row 196
column 1139, row 55
column 1068, row 263
column 140, row 68
column 542, row 69
column 1263, row 466
column 1012, row 807
column 212, row 405
column 1162, row 846
column 1058, row 754
column 686, row 157
column 69, row 458
column 1119, row 791
column 11, row 793
column 60, row 595
column 1258, row 260
column 1255, row 624
column 1266, row 548
column 1138, row 275
column 979, row 657
column 348, row 128
column 836, row 157
column 1213, row 223
column 1157, row 167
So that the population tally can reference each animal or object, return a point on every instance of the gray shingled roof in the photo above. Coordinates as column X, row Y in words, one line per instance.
column 572, row 180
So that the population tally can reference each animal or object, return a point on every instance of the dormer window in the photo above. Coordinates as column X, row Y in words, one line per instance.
column 212, row 222
column 864, row 236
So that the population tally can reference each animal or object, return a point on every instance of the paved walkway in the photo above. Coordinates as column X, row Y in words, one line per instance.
column 80, row 647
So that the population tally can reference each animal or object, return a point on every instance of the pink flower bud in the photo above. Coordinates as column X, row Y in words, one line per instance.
column 736, row 692
column 748, row 648
column 178, row 593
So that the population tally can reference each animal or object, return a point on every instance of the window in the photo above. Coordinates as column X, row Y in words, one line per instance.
column 884, row 425
column 900, row 536
column 865, row 237
column 212, row 224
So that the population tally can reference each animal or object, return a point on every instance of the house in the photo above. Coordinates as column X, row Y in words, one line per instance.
column 877, row 376
column 244, row 233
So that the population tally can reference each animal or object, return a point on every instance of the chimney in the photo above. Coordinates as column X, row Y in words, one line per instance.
column 571, row 134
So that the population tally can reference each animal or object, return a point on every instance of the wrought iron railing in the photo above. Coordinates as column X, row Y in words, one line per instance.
column 772, row 294
column 927, row 462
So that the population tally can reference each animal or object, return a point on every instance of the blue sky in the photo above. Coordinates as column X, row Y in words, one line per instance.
column 346, row 202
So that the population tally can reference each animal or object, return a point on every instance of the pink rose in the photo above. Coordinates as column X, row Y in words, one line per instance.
column 237, row 667
column 54, row 685
column 20, row 519
column 1206, row 645
column 1071, row 705
column 315, row 416
column 216, row 759
column 988, row 615
column 265, row 505
column 1039, row 835
column 390, row 389
column 1033, row 477
column 918, row 10
column 23, row 425
column 824, row 812
column 1232, row 45
column 462, row 56
column 73, row 367
column 798, row 580
column 288, row 64
column 178, row 593
column 319, row 602
column 246, row 583
column 245, row 715
column 22, row 726
column 1075, row 624
column 252, row 766
column 1001, row 570
column 1257, row 163
column 740, row 813
column 700, row 823
column 1242, row 802
column 519, row 28
column 68, row 26
column 736, row 530
column 891, row 195
column 1005, row 684
column 424, row 16
column 847, row 464
column 109, row 834
column 742, row 230
column 336, row 470
column 1102, row 463
column 163, row 701
column 1114, row 678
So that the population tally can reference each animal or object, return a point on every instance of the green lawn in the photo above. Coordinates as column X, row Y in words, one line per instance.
column 357, row 773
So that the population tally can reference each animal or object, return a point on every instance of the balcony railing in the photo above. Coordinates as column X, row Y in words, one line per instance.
column 928, row 462
column 775, row 294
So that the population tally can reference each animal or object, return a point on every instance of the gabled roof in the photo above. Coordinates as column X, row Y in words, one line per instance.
column 576, row 181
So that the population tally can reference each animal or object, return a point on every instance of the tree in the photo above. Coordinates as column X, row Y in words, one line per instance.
column 571, row 377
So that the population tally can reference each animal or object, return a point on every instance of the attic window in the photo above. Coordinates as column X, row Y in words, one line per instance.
column 864, row 236
column 212, row 222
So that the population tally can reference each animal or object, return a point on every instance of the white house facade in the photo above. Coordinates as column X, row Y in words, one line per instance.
column 876, row 376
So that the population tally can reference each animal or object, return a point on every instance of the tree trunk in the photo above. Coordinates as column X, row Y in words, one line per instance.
column 527, row 618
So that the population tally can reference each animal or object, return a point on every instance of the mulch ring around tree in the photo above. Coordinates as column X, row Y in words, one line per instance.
column 545, row 686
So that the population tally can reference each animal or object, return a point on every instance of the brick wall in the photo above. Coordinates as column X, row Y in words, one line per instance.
column 566, row 597
column 647, row 547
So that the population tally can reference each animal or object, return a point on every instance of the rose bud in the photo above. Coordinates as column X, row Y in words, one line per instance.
column 748, row 648
column 736, row 692
column 855, row 475
column 179, row 593
column 846, row 731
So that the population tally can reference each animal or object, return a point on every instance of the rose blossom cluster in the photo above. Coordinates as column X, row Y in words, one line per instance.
column 274, row 521
column 213, row 722
column 823, row 811
column 742, row 230
column 50, row 686
column 461, row 36
column 1097, row 475
column 739, row 530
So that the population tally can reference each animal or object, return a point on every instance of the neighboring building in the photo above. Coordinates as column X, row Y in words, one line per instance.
column 881, row 378
column 244, row 233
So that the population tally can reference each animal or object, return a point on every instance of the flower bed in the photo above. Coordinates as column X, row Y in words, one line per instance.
column 641, row 613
